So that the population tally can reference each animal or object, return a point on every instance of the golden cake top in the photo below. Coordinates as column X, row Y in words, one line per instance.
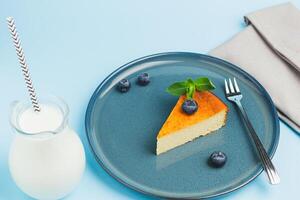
column 209, row 105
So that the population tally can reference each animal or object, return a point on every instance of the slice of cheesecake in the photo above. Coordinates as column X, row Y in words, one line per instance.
column 180, row 128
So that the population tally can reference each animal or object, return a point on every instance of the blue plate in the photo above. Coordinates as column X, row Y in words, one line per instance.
column 122, row 128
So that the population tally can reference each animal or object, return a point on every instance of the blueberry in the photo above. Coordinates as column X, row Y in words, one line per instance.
column 123, row 85
column 189, row 106
column 143, row 79
column 217, row 159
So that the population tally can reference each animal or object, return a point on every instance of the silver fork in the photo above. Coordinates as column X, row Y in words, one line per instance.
column 233, row 94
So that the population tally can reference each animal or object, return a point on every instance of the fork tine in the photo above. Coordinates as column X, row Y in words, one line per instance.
column 236, row 87
column 231, row 86
column 226, row 87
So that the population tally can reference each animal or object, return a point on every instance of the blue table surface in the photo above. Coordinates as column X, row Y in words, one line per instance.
column 71, row 46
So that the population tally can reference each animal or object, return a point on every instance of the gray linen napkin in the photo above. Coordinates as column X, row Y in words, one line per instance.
column 269, row 50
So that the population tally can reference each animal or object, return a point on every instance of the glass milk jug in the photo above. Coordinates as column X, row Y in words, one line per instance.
column 46, row 158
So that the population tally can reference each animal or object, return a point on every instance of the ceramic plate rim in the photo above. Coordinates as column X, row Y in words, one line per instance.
column 212, row 58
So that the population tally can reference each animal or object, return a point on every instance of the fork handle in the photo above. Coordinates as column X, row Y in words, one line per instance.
column 266, row 161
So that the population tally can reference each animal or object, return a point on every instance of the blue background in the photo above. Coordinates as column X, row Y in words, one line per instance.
column 71, row 46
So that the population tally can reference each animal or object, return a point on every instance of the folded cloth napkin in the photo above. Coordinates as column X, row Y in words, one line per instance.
column 269, row 50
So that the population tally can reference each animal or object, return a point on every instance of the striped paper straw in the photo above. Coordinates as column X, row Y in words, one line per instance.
column 23, row 64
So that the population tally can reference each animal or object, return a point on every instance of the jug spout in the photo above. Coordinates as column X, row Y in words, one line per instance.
column 52, row 120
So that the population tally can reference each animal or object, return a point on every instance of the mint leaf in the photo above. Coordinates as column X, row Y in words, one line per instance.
column 191, row 88
column 203, row 84
column 178, row 88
